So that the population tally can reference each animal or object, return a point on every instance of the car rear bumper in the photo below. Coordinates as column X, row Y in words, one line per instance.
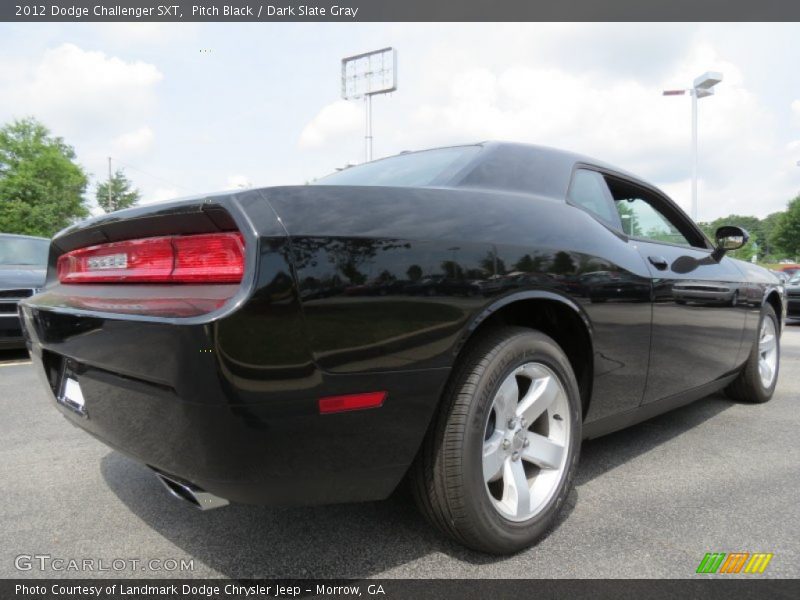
column 177, row 399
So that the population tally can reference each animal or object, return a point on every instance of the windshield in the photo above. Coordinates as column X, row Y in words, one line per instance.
column 414, row 169
column 23, row 251
column 795, row 278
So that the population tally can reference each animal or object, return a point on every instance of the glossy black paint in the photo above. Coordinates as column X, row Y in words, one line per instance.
column 793, row 299
column 357, row 289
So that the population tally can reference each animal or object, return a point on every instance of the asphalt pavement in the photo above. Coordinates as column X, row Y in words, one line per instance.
column 650, row 501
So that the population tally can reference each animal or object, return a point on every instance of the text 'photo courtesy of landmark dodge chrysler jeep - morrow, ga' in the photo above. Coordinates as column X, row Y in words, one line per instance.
column 457, row 318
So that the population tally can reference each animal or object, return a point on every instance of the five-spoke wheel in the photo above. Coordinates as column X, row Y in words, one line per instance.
column 767, row 352
column 498, row 463
column 524, row 452
column 756, row 381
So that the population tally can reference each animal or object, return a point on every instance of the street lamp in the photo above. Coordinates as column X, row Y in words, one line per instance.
column 367, row 75
column 703, row 86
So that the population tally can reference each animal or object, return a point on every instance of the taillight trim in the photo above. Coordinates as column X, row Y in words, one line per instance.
column 164, row 267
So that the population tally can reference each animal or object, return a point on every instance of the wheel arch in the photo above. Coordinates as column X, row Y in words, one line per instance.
column 554, row 315
column 773, row 298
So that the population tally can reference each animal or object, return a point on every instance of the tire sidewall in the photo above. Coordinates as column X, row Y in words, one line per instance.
column 518, row 350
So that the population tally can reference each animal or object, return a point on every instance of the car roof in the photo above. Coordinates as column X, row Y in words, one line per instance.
column 556, row 155
column 507, row 166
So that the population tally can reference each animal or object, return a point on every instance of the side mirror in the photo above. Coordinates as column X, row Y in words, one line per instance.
column 729, row 237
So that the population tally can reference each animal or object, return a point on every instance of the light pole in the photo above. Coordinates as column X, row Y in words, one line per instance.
column 703, row 86
column 367, row 75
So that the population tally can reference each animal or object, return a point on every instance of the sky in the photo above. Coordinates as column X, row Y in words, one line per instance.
column 188, row 108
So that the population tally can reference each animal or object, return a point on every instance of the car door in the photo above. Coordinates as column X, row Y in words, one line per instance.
column 697, row 324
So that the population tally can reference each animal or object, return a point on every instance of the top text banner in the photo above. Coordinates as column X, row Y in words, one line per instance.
column 401, row 10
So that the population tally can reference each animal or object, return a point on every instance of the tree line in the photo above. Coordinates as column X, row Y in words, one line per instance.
column 42, row 186
column 775, row 237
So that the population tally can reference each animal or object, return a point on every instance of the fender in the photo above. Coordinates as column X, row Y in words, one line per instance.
column 781, row 293
column 778, row 289
column 499, row 303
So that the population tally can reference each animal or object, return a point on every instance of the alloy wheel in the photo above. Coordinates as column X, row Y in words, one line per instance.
column 526, row 441
column 767, row 352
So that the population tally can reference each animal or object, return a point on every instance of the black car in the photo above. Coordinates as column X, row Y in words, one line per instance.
column 23, row 263
column 193, row 336
column 793, row 297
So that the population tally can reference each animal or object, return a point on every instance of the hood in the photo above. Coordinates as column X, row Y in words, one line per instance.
column 21, row 276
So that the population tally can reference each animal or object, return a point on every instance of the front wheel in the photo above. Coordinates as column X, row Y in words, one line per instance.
column 759, row 376
column 498, row 462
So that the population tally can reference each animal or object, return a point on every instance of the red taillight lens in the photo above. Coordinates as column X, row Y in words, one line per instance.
column 209, row 258
column 205, row 258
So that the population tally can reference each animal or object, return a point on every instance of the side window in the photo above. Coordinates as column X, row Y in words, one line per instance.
column 641, row 220
column 642, row 216
column 589, row 191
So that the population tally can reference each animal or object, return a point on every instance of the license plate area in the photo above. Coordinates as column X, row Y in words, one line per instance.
column 69, row 392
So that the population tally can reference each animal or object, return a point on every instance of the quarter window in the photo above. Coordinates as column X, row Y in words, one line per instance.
column 590, row 192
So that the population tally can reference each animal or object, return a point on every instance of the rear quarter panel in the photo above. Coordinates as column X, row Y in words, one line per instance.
column 394, row 278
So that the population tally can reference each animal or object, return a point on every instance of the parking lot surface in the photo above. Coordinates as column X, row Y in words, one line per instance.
column 650, row 501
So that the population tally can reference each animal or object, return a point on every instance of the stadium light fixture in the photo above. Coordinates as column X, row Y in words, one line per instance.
column 367, row 75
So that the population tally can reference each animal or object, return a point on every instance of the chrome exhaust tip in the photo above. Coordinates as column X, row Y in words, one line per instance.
column 192, row 494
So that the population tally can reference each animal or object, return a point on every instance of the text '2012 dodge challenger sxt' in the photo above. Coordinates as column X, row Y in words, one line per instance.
column 460, row 318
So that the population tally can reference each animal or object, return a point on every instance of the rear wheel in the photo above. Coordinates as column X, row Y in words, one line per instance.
column 498, row 462
column 756, row 383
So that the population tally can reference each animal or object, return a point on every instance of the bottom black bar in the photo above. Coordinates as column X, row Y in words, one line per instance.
column 400, row 589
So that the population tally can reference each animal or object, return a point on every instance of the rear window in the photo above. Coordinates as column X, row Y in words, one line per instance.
column 414, row 169
column 23, row 252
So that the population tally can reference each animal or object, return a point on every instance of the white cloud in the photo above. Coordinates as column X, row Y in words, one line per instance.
column 589, row 87
column 134, row 142
column 333, row 121
column 149, row 33
column 796, row 110
column 72, row 89
column 620, row 119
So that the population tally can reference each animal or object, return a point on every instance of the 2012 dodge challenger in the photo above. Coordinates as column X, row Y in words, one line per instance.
column 459, row 317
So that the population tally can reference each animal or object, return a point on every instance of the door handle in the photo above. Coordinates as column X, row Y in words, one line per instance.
column 659, row 262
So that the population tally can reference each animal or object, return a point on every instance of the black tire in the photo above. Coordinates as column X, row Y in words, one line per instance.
column 748, row 387
column 447, row 476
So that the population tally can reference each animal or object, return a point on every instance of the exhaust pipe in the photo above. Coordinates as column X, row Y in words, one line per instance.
column 192, row 494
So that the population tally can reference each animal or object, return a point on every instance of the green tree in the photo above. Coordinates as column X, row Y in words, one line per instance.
column 630, row 223
column 786, row 234
column 116, row 193
column 41, row 185
column 758, row 243
column 768, row 225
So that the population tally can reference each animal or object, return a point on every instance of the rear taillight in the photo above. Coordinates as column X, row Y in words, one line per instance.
column 204, row 258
